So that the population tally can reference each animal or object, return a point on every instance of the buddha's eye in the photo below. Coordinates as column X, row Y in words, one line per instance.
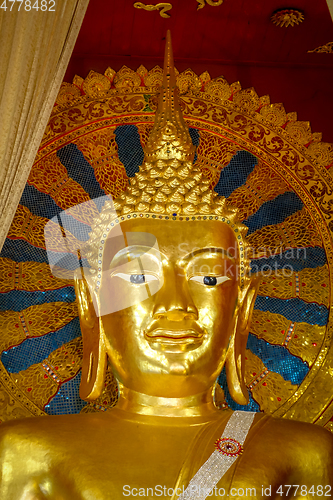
column 210, row 280
column 137, row 279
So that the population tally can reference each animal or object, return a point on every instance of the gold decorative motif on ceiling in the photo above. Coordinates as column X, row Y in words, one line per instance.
column 287, row 17
column 213, row 3
column 163, row 6
column 327, row 48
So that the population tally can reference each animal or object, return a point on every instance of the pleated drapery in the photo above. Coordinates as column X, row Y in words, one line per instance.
column 35, row 47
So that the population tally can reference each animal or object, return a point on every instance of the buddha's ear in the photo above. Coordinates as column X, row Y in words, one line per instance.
column 94, row 352
column 235, row 360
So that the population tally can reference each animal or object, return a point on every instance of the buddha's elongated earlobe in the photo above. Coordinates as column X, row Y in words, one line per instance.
column 234, row 367
column 94, row 353
column 235, row 360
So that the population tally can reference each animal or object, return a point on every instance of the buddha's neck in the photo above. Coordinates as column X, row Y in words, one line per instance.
column 199, row 405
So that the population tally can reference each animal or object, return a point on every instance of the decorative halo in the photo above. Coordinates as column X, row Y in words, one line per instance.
column 268, row 164
column 287, row 17
column 229, row 447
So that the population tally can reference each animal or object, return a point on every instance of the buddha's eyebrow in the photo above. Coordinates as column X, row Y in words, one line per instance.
column 211, row 250
column 135, row 251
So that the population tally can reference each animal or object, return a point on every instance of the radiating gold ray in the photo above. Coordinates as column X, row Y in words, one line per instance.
column 214, row 153
column 310, row 285
column 301, row 339
column 34, row 321
column 51, row 177
column 30, row 227
column 269, row 389
column 41, row 382
column 261, row 185
column 101, row 151
column 30, row 276
column 296, row 231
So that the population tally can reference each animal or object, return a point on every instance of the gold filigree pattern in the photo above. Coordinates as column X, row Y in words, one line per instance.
column 101, row 151
column 261, row 185
column 11, row 408
column 188, row 80
column 126, row 77
column 68, row 93
column 41, row 382
column 327, row 48
column 34, row 321
column 247, row 100
column 108, row 398
column 274, row 114
column 301, row 339
column 269, row 389
column 310, row 285
column 31, row 228
column 219, row 87
column 154, row 78
column 297, row 231
column 214, row 153
column 65, row 362
column 162, row 7
column 96, row 85
column 30, row 276
column 300, row 132
column 50, row 176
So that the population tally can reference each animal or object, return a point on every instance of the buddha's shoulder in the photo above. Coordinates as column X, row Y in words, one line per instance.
column 294, row 436
column 56, row 427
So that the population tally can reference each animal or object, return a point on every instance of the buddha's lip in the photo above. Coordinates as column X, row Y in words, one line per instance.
column 164, row 335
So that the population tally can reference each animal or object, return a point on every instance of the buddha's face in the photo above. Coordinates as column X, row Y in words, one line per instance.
column 168, row 301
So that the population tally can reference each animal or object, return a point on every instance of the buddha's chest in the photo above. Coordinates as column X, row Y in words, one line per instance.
column 149, row 464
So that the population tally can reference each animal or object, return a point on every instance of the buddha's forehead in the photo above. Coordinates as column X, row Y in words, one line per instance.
column 172, row 237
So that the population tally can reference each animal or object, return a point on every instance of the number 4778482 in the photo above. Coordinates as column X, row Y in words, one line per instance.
column 28, row 5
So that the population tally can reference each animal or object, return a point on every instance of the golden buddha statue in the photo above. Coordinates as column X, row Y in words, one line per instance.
column 168, row 301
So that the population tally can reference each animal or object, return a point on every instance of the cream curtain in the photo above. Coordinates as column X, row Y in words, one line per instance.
column 35, row 47
column 330, row 6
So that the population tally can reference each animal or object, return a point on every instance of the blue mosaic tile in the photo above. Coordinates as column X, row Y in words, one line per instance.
column 65, row 261
column 295, row 310
column 22, row 251
column 17, row 300
column 80, row 170
column 195, row 136
column 294, row 259
column 274, row 211
column 40, row 204
column 279, row 360
column 130, row 151
column 67, row 400
column 35, row 350
column 78, row 229
column 235, row 174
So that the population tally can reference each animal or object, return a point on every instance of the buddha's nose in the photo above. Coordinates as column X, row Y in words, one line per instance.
column 173, row 300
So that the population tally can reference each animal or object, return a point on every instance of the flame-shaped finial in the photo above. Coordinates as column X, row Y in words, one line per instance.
column 169, row 137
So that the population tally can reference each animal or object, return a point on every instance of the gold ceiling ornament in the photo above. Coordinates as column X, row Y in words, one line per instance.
column 287, row 17
column 327, row 48
column 213, row 3
column 163, row 6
